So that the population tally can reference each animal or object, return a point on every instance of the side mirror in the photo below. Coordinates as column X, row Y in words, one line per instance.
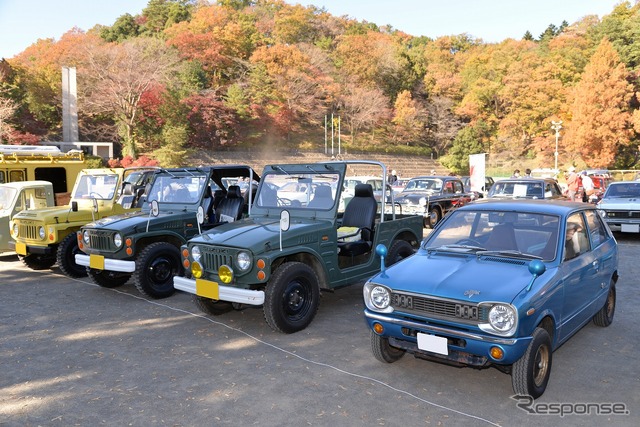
column 74, row 206
column 285, row 220
column 200, row 215
column 155, row 208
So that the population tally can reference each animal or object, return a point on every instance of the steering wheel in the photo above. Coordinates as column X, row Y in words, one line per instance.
column 469, row 242
column 96, row 195
column 288, row 202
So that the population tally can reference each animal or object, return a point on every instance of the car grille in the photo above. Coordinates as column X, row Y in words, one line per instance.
column 100, row 240
column 215, row 257
column 29, row 232
column 459, row 311
column 623, row 214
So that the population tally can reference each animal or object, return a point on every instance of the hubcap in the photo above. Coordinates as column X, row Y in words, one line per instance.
column 160, row 270
column 541, row 365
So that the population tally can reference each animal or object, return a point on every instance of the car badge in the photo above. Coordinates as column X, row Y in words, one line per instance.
column 471, row 292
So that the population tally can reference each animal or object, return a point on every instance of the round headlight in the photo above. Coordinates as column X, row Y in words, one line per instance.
column 243, row 260
column 41, row 232
column 85, row 237
column 380, row 297
column 602, row 213
column 15, row 229
column 502, row 318
column 195, row 253
column 422, row 201
column 117, row 240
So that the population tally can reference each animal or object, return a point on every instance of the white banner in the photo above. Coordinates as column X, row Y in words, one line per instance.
column 477, row 171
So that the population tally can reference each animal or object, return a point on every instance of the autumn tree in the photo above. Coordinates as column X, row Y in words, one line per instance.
column 600, row 112
column 362, row 108
column 409, row 119
column 115, row 76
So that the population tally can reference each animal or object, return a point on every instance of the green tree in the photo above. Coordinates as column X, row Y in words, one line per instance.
column 470, row 140
column 124, row 28
column 173, row 153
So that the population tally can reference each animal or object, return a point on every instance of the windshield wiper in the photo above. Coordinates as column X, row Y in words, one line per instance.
column 509, row 253
column 454, row 247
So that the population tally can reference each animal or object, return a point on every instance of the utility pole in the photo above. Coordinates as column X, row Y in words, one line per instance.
column 556, row 126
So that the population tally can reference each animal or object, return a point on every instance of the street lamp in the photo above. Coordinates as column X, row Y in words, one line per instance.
column 556, row 126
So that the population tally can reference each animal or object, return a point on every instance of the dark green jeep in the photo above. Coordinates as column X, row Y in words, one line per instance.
column 299, row 238
column 180, row 204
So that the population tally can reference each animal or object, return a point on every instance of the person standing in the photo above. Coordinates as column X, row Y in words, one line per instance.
column 527, row 173
column 587, row 187
column 516, row 174
column 573, row 183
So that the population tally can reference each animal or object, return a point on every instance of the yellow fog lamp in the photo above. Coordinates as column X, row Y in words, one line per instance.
column 196, row 270
column 225, row 273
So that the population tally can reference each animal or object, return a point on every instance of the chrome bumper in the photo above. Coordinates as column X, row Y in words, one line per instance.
column 437, row 329
column 226, row 293
column 109, row 264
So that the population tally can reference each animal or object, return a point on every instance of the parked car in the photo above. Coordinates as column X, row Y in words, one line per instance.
column 376, row 183
column 399, row 185
column 526, row 188
column 508, row 282
column 284, row 254
column 488, row 183
column 145, row 245
column 432, row 197
column 18, row 196
column 620, row 206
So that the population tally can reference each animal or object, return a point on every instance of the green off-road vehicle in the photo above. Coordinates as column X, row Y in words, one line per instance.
column 45, row 236
column 296, row 242
column 180, row 204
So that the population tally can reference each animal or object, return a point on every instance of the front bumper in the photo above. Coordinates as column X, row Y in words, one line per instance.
column 213, row 290
column 99, row 262
column 623, row 225
column 464, row 347
column 26, row 249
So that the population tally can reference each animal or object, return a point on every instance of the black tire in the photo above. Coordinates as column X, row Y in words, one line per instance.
column 399, row 250
column 604, row 317
column 38, row 262
column 211, row 306
column 66, row 257
column 155, row 267
column 435, row 215
column 530, row 374
column 382, row 350
column 108, row 279
column 292, row 297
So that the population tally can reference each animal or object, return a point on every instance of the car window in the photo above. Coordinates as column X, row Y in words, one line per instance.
column 597, row 229
column 576, row 240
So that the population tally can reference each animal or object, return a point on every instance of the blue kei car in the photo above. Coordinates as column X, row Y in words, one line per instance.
column 497, row 283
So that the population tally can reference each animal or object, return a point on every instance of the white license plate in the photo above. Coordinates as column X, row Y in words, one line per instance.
column 630, row 228
column 433, row 344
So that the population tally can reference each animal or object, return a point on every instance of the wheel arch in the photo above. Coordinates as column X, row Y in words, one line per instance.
column 308, row 258
column 146, row 240
column 408, row 236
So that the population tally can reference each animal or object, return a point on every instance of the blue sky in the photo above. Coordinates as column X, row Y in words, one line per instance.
column 23, row 22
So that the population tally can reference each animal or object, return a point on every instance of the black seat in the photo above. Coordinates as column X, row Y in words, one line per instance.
column 360, row 213
column 207, row 204
column 230, row 208
column 322, row 198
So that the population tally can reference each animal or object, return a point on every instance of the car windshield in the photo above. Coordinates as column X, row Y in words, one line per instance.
column 424, row 184
column 521, row 234
column 100, row 187
column 517, row 189
column 623, row 190
column 303, row 191
column 177, row 187
column 7, row 195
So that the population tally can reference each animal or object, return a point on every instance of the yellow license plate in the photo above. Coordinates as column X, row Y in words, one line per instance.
column 207, row 289
column 21, row 248
column 96, row 261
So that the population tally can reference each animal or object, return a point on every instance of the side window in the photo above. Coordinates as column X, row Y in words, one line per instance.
column 457, row 187
column 576, row 240
column 448, row 187
column 597, row 229
column 17, row 175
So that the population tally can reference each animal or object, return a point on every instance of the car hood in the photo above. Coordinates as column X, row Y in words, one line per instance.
column 413, row 196
column 262, row 233
column 137, row 221
column 622, row 203
column 459, row 277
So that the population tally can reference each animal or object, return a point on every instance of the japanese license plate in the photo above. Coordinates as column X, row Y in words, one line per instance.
column 630, row 228
column 432, row 343
column 21, row 248
column 96, row 262
column 207, row 289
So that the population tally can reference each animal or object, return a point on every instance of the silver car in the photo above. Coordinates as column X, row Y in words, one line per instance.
column 620, row 206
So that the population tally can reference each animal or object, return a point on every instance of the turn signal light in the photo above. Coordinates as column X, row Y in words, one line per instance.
column 378, row 328
column 497, row 353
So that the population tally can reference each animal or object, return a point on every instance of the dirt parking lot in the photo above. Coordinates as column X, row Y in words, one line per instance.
column 72, row 353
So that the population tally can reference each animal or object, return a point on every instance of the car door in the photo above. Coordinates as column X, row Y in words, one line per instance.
column 579, row 271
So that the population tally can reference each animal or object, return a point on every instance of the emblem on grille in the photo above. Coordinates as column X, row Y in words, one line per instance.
column 471, row 292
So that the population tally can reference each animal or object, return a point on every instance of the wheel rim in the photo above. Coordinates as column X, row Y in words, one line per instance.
column 541, row 365
column 296, row 300
column 160, row 270
column 433, row 217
